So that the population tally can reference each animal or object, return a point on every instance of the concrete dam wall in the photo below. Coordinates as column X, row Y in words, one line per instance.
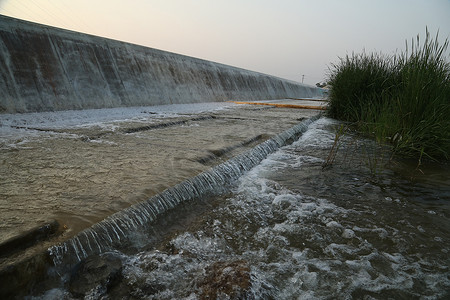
column 44, row 68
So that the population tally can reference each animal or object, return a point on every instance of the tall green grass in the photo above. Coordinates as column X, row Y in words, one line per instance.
column 403, row 99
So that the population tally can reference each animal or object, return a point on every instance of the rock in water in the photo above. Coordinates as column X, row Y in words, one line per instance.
column 228, row 280
column 97, row 271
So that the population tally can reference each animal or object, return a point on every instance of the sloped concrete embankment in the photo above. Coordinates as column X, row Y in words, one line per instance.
column 46, row 69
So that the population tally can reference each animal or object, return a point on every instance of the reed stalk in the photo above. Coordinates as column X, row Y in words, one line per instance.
column 402, row 99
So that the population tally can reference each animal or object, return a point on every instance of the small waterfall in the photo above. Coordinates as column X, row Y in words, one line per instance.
column 119, row 227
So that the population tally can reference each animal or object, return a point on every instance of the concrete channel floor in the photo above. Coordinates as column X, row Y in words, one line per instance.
column 78, row 174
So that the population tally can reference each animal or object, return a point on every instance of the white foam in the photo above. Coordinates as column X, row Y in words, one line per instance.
column 15, row 127
column 334, row 224
column 285, row 199
column 197, row 244
column 71, row 118
column 348, row 234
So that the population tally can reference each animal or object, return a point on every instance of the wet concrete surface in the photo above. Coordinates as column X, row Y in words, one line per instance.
column 306, row 103
column 80, row 174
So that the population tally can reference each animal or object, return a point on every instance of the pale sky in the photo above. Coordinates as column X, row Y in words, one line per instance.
column 285, row 38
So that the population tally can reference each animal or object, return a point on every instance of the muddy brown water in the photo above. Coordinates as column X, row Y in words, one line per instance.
column 368, row 226
column 82, row 171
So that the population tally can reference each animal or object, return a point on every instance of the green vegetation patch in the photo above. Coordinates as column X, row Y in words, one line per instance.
column 403, row 99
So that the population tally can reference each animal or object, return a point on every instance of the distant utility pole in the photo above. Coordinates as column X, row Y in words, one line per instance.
column 303, row 78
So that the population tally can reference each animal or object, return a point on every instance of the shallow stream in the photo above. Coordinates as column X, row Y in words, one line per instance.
column 365, row 227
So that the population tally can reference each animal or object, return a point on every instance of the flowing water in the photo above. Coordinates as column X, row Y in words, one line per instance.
column 365, row 227
column 78, row 167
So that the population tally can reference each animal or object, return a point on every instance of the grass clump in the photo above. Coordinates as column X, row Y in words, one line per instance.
column 403, row 99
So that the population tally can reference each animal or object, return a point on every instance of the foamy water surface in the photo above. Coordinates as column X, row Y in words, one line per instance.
column 308, row 233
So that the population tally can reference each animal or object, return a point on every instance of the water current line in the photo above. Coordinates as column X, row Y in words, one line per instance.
column 167, row 124
column 120, row 226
